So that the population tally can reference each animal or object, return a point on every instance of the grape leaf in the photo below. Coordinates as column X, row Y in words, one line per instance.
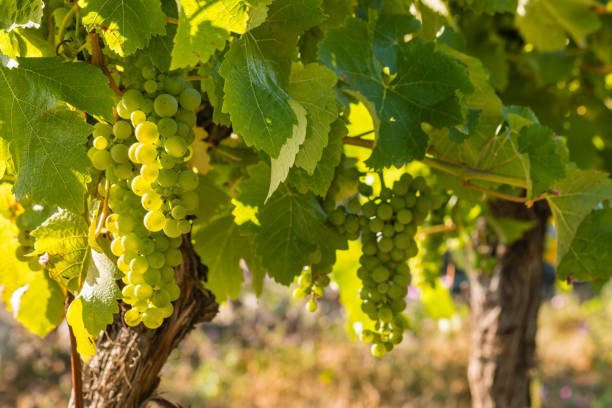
column 47, row 141
column 323, row 175
column 313, row 87
column 256, row 71
column 64, row 237
column 493, row 6
column 389, row 35
column 212, row 199
column 424, row 90
column 93, row 308
column 81, row 85
column 20, row 13
column 292, row 225
column 253, row 190
column 545, row 165
column 160, row 47
column 279, row 167
column 213, row 87
column 546, row 22
column 259, row 108
column 206, row 25
column 39, row 305
column 127, row 24
column 220, row 247
column 591, row 252
column 579, row 192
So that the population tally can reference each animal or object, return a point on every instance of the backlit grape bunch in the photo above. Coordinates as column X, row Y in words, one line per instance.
column 152, row 192
column 313, row 280
column 387, row 225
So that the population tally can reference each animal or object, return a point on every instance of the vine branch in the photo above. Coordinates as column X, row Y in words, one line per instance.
column 75, row 364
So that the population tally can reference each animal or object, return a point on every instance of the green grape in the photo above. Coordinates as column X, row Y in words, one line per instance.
column 188, row 180
column 167, row 274
column 155, row 221
column 337, row 217
column 140, row 186
column 299, row 293
column 376, row 225
column 167, row 310
column 178, row 212
column 166, row 161
column 100, row 143
column 152, row 318
column 385, row 314
column 111, row 223
column 101, row 160
column 404, row 216
column 123, row 171
column 123, row 111
column 152, row 277
column 132, row 152
column 150, row 86
column 122, row 129
column 156, row 260
column 167, row 178
column 102, row 129
column 116, row 247
column 151, row 201
column 131, row 99
column 123, row 267
column 175, row 146
column 186, row 117
column 165, row 105
column 137, row 117
column 160, row 299
column 146, row 154
column 132, row 317
column 119, row 153
column 174, row 257
column 135, row 278
column 172, row 228
column 148, row 72
column 367, row 336
column 190, row 99
column 378, row 350
column 149, row 172
column 397, row 203
column 91, row 152
column 176, row 242
column 147, row 106
column 167, row 127
column 173, row 291
column 384, row 212
column 174, row 85
column 130, row 242
column 182, row 129
column 184, row 226
column 143, row 291
column 147, row 132
column 312, row 306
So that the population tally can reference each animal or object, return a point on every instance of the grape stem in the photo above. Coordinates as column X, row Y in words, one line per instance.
column 459, row 170
column 75, row 364
column 104, row 210
column 435, row 229
column 65, row 21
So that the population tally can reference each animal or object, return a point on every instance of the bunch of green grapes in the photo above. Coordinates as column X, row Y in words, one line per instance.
column 313, row 280
column 27, row 219
column 152, row 192
column 387, row 225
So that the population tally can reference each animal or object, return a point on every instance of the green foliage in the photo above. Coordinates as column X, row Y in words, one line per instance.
column 500, row 99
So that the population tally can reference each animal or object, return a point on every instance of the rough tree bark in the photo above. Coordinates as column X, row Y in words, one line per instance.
column 124, row 373
column 504, row 311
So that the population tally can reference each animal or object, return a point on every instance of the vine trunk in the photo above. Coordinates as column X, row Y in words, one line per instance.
column 505, row 307
column 124, row 373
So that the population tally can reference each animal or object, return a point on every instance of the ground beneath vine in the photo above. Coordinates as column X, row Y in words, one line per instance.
column 271, row 353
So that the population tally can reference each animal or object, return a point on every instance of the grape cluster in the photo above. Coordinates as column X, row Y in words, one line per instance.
column 26, row 222
column 313, row 280
column 152, row 192
column 387, row 225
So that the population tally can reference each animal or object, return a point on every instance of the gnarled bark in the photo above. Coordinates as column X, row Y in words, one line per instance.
column 124, row 373
column 504, row 312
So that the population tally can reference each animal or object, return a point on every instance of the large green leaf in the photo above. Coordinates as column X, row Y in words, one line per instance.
column 20, row 13
column 590, row 255
column 323, row 174
column 424, row 89
column 279, row 167
column 578, row 193
column 93, row 308
column 47, row 141
column 206, row 25
column 256, row 71
column 220, row 247
column 545, row 164
column 292, row 226
column 127, row 25
column 313, row 87
column 39, row 305
column 64, row 237
column 546, row 23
